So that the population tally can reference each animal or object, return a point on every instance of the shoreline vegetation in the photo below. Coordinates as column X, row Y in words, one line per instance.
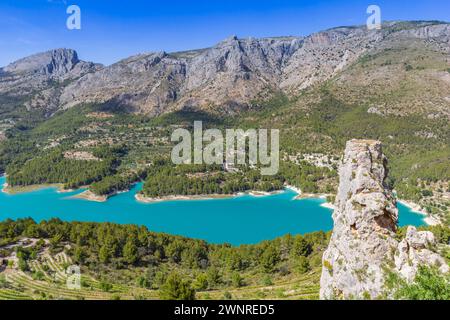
column 90, row 196
column 17, row 190
column 141, row 198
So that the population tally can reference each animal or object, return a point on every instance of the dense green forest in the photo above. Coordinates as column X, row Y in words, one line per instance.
column 55, row 168
column 118, row 182
column 164, row 178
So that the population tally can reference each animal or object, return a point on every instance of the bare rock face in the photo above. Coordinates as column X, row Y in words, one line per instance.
column 59, row 63
column 363, row 243
column 364, row 225
column 324, row 54
column 236, row 74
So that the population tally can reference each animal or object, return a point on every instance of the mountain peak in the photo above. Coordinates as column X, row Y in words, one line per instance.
column 230, row 39
column 37, row 73
column 50, row 61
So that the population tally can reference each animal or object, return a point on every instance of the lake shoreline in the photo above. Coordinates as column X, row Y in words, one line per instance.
column 5, row 188
column 302, row 195
column 88, row 195
column 429, row 219
column 36, row 187
column 251, row 218
column 141, row 198
column 328, row 205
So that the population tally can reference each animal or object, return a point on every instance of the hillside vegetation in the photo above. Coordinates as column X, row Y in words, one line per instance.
column 130, row 262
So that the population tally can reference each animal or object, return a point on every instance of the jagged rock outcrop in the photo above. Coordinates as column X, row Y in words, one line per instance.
column 143, row 82
column 230, row 75
column 227, row 77
column 363, row 241
column 324, row 54
column 58, row 64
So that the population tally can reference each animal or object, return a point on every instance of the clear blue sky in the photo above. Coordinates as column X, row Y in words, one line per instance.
column 112, row 30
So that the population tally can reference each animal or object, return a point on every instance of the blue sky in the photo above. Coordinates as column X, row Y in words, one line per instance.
column 112, row 30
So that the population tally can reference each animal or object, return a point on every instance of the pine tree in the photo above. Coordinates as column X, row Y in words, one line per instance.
column 175, row 288
column 130, row 251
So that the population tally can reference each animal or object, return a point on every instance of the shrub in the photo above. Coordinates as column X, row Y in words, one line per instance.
column 429, row 284
column 237, row 280
column 227, row 296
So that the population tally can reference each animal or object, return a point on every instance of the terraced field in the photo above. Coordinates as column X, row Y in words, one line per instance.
column 47, row 280
column 305, row 287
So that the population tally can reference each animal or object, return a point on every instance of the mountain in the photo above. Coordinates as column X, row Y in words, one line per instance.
column 40, row 78
column 227, row 76
column 239, row 74
column 363, row 247
column 233, row 75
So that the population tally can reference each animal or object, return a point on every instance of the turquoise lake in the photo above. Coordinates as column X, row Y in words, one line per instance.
column 241, row 220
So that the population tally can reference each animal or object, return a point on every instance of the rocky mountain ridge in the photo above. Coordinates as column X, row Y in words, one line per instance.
column 236, row 74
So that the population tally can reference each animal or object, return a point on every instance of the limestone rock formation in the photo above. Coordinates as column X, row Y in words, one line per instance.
column 54, row 64
column 228, row 75
column 365, row 221
column 363, row 241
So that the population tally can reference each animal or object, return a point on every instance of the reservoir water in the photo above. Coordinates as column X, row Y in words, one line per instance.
column 240, row 220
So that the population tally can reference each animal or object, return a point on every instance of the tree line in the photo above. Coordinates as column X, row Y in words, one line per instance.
column 55, row 168
column 164, row 179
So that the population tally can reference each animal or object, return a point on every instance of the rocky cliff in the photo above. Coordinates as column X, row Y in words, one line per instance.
column 363, row 241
